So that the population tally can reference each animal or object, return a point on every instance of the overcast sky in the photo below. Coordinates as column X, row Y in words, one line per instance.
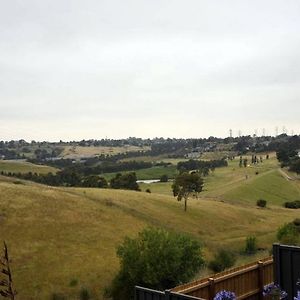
column 90, row 69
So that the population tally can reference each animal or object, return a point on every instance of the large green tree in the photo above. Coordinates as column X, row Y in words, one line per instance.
column 186, row 185
column 156, row 259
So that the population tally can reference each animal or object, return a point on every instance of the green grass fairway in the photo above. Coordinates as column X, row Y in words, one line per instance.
column 149, row 173
column 24, row 167
column 56, row 235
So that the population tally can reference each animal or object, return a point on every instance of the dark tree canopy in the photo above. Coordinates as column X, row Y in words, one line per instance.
column 156, row 259
column 186, row 185
column 125, row 181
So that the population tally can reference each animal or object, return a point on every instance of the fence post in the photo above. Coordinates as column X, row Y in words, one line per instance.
column 276, row 259
column 167, row 294
column 261, row 279
column 212, row 290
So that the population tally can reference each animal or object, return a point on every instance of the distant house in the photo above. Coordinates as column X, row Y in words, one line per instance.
column 193, row 155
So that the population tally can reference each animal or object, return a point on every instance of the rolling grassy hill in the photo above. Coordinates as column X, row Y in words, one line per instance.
column 57, row 235
column 244, row 185
column 20, row 166
column 61, row 235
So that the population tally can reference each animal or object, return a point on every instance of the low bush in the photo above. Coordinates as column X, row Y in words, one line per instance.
column 73, row 282
column 148, row 191
column 223, row 259
column 251, row 245
column 56, row 296
column 156, row 259
column 84, row 294
column 292, row 204
column 164, row 178
column 289, row 233
column 261, row 203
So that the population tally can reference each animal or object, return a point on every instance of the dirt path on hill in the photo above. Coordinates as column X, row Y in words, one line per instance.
column 285, row 175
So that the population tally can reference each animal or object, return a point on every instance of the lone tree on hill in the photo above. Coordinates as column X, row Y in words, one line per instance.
column 186, row 185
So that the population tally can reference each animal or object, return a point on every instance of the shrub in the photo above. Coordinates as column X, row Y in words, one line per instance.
column 289, row 233
column 155, row 259
column 223, row 259
column 293, row 204
column 73, row 282
column 261, row 203
column 56, row 296
column 251, row 245
column 84, row 294
column 164, row 178
column 296, row 222
column 148, row 191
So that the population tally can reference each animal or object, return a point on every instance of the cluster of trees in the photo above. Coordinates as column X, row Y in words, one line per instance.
column 289, row 157
column 72, row 179
column 125, row 181
column 109, row 167
column 10, row 154
column 202, row 165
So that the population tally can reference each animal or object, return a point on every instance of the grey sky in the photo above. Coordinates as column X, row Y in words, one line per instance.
column 90, row 69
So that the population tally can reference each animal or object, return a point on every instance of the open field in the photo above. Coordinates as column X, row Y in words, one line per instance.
column 149, row 173
column 76, row 152
column 58, row 235
column 242, row 185
column 20, row 166
column 61, row 234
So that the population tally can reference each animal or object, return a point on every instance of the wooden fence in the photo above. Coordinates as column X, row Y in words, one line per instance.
column 148, row 294
column 287, row 268
column 246, row 282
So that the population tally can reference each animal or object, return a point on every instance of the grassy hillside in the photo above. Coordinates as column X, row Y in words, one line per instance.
column 244, row 185
column 80, row 151
column 59, row 235
column 24, row 167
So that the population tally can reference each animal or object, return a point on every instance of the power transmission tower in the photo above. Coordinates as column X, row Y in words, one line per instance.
column 240, row 133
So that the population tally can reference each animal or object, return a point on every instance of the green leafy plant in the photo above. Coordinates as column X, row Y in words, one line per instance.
column 223, row 259
column 156, row 259
column 261, row 203
column 251, row 245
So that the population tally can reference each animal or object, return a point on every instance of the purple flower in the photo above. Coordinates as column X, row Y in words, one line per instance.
column 225, row 295
column 274, row 290
column 298, row 296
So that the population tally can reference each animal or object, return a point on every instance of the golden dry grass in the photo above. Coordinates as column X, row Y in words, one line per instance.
column 75, row 152
column 24, row 167
column 59, row 234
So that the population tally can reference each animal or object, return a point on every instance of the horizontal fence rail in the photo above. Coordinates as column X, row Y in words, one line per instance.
column 246, row 282
column 148, row 294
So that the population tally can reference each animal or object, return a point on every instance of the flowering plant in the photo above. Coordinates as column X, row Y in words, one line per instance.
column 274, row 291
column 298, row 296
column 225, row 295
column 298, row 293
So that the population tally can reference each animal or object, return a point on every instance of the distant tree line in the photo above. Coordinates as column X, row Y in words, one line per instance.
column 203, row 165
column 69, row 178
column 108, row 167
